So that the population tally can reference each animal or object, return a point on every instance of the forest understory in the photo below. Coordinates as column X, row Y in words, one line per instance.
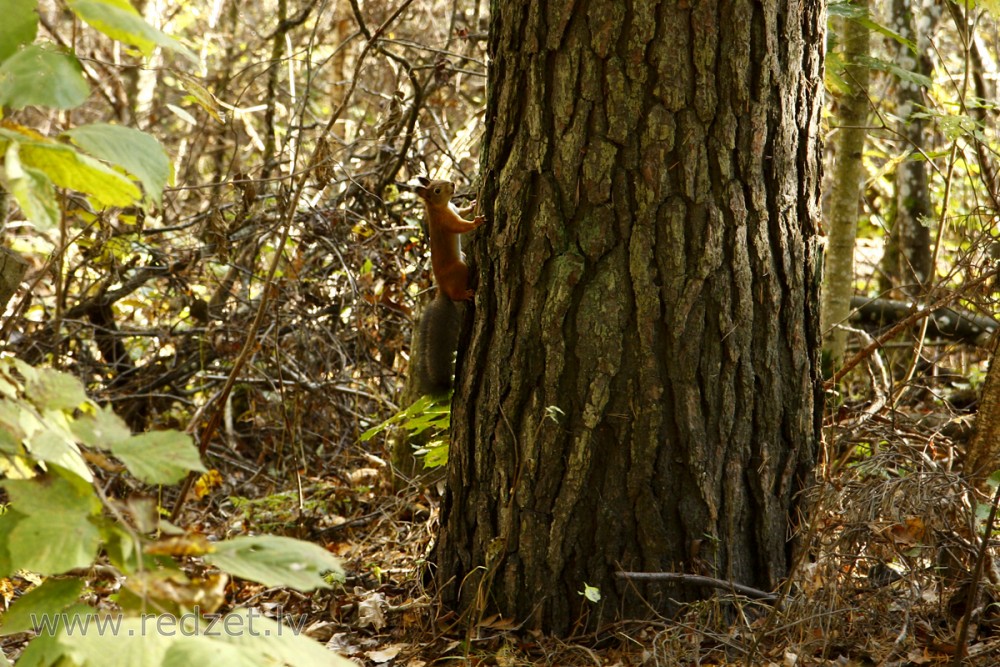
column 261, row 297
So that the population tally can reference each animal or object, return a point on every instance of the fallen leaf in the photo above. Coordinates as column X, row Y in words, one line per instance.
column 370, row 612
column 384, row 654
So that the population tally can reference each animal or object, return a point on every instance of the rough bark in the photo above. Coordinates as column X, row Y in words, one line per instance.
column 12, row 270
column 983, row 455
column 845, row 188
column 639, row 389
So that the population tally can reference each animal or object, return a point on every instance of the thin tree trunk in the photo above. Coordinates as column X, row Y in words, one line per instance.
column 907, row 260
column 845, row 189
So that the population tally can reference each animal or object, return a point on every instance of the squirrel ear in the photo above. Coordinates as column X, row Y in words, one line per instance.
column 423, row 181
column 421, row 191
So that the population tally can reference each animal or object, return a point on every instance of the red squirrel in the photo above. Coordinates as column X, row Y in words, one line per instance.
column 439, row 324
column 445, row 225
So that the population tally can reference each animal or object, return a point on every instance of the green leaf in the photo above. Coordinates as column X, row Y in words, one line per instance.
column 424, row 413
column 103, row 641
column 418, row 405
column 436, row 454
column 894, row 69
column 40, row 77
column 992, row 6
column 57, row 492
column 69, row 168
column 42, row 651
column 8, row 521
column 202, row 97
column 844, row 9
column 12, row 432
column 52, row 597
column 137, row 152
column 159, row 457
column 276, row 561
column 201, row 650
column 274, row 643
column 592, row 593
column 242, row 638
column 55, row 390
column 53, row 544
column 19, row 26
column 33, row 190
column 887, row 32
column 54, row 444
column 437, row 417
column 51, row 531
column 119, row 20
column 122, row 551
column 101, row 429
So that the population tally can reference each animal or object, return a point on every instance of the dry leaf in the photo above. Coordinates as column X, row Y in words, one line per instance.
column 384, row 654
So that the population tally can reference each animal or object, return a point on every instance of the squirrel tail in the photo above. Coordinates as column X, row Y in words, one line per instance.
column 438, row 341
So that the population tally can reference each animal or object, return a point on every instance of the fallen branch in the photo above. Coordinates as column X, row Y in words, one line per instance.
column 868, row 350
column 955, row 323
column 699, row 580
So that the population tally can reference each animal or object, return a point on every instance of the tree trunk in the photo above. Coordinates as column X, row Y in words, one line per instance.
column 907, row 260
column 845, row 189
column 983, row 456
column 12, row 270
column 639, row 390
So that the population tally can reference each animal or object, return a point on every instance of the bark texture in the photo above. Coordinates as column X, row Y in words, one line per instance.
column 845, row 187
column 983, row 455
column 639, row 388
column 12, row 270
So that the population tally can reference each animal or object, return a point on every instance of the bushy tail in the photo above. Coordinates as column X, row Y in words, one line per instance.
column 438, row 340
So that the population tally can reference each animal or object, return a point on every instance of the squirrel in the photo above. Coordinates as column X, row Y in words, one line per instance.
column 439, row 325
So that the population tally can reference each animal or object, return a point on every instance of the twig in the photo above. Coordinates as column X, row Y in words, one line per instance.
column 865, row 352
column 700, row 580
column 250, row 344
column 418, row 94
column 372, row 42
column 977, row 575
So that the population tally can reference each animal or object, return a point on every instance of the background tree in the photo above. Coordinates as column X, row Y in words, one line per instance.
column 341, row 106
column 846, row 183
column 639, row 390
column 906, row 263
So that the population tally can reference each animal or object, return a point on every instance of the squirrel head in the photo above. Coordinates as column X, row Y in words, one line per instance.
column 435, row 193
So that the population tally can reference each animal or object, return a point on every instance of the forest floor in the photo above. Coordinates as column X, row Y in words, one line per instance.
column 892, row 547
column 892, row 571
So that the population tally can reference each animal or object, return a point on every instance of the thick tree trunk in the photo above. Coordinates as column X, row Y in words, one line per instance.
column 983, row 456
column 639, row 390
column 845, row 188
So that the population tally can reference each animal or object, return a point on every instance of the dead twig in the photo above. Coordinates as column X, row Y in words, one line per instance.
column 977, row 575
column 700, row 580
